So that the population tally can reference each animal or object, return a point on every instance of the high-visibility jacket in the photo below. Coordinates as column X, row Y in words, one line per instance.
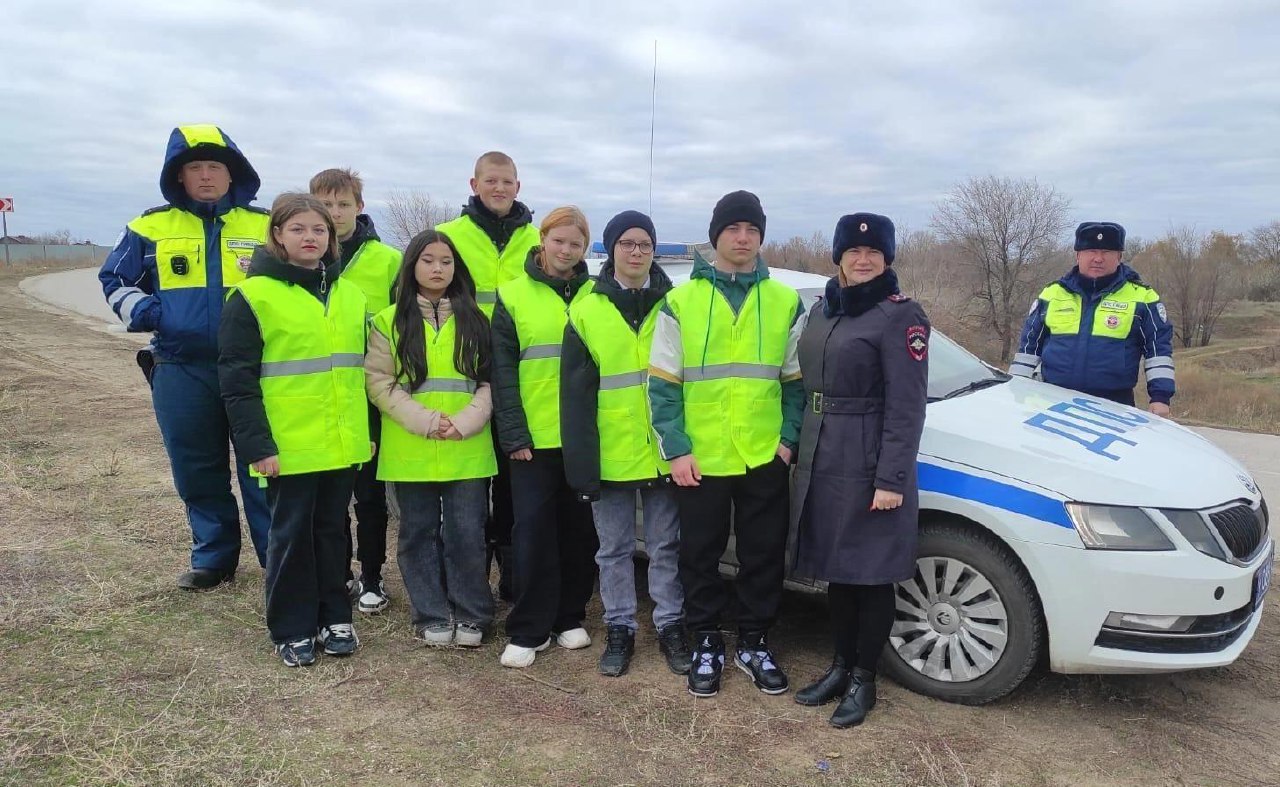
column 373, row 269
column 404, row 456
column 170, row 268
column 1092, row 338
column 732, row 368
column 628, row 450
column 312, row 373
column 489, row 267
column 539, row 314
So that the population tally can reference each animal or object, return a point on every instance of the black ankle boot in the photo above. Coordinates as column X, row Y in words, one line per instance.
column 859, row 700
column 830, row 686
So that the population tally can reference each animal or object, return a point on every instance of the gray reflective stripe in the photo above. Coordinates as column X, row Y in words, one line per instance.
column 486, row 297
column 446, row 385
column 1163, row 373
column 721, row 371
column 612, row 382
column 310, row 365
column 1159, row 360
column 535, row 351
column 1027, row 359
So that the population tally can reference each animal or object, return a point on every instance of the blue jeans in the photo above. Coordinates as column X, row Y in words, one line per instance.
column 615, row 515
column 197, row 438
column 441, row 551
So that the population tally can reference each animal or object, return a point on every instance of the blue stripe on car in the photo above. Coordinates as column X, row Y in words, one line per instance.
column 953, row 483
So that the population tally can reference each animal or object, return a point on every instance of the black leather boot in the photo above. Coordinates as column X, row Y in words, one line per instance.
column 830, row 686
column 859, row 700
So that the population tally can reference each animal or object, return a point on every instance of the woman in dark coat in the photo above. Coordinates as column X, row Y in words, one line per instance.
column 864, row 358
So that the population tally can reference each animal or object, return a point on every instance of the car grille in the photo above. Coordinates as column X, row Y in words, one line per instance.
column 1242, row 529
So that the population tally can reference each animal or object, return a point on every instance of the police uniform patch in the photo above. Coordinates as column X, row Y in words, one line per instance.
column 237, row 243
column 918, row 342
column 898, row 297
column 862, row 227
column 1114, row 306
column 1164, row 316
column 244, row 263
column 1113, row 321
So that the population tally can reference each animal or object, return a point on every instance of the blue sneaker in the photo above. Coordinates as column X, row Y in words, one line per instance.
column 299, row 653
column 339, row 639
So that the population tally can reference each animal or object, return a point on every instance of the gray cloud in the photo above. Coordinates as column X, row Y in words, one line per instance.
column 1148, row 113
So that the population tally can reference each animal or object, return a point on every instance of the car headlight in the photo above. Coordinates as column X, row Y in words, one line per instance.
column 1195, row 530
column 1117, row 527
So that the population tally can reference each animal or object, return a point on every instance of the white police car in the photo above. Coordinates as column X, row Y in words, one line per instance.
column 1057, row 525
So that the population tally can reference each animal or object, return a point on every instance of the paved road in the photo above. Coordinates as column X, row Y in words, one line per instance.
column 78, row 291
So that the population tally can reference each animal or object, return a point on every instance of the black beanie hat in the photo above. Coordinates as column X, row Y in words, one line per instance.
column 1106, row 235
column 624, row 221
column 734, row 207
column 864, row 229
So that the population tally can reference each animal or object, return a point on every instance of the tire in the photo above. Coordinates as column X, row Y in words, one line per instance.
column 971, row 630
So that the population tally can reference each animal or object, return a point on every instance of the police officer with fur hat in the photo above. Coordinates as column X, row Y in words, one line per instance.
column 864, row 356
column 1088, row 329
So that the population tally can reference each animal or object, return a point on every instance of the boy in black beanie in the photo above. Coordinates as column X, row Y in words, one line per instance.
column 726, row 400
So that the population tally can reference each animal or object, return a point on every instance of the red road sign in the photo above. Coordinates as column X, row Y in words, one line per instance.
column 6, row 204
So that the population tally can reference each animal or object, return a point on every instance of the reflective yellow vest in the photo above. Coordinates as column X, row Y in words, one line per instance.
column 628, row 448
column 732, row 365
column 181, row 258
column 489, row 267
column 373, row 269
column 312, row 373
column 539, row 314
column 404, row 456
column 1113, row 318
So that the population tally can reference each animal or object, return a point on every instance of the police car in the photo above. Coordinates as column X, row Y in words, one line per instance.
column 1060, row 527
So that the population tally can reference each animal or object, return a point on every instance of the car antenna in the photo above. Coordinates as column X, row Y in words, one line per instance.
column 653, row 104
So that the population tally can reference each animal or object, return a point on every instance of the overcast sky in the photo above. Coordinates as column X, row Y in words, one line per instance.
column 1150, row 113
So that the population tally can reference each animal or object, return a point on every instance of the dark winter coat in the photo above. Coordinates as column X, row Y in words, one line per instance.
column 864, row 358
column 580, row 384
column 508, row 409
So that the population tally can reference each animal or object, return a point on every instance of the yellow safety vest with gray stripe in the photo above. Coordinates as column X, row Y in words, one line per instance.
column 489, row 267
column 628, row 447
column 732, row 368
column 312, row 373
column 404, row 456
column 373, row 269
column 539, row 314
column 182, row 261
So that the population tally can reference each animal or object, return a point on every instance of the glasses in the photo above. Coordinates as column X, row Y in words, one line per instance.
column 629, row 246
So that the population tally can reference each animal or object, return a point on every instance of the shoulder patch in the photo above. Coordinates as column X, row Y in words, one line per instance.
column 1164, row 315
column 157, row 209
column 918, row 341
column 898, row 297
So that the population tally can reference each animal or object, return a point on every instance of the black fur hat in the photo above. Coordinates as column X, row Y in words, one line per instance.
column 1106, row 235
column 864, row 229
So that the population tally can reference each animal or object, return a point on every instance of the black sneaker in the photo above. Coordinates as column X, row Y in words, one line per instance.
column 674, row 644
column 754, row 658
column 706, row 664
column 620, row 644
column 339, row 639
column 299, row 653
column 204, row 578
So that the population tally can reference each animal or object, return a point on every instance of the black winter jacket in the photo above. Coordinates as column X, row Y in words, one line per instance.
column 240, row 354
column 580, row 384
column 508, row 411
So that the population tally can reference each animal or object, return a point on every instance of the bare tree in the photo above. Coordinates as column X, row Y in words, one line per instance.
column 1197, row 278
column 1263, row 247
column 1006, row 230
column 811, row 254
column 410, row 211
column 55, row 238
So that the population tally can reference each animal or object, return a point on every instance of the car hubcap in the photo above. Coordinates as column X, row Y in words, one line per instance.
column 951, row 624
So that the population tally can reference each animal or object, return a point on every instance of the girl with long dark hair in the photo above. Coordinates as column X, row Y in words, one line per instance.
column 427, row 371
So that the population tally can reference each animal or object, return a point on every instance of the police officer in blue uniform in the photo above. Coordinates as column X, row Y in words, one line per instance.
column 1088, row 330
column 167, row 275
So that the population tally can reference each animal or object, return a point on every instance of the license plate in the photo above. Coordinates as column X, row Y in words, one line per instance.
column 1262, row 578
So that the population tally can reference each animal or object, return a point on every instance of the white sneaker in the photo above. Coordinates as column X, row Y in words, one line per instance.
column 468, row 635
column 574, row 639
column 519, row 658
column 438, row 634
column 374, row 599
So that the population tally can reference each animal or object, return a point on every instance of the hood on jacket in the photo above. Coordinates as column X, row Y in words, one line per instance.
column 206, row 142
column 1077, row 283
column 264, row 263
column 634, row 305
column 702, row 269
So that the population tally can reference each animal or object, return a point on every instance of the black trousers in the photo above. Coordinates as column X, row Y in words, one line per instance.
column 757, row 503
column 371, row 513
column 501, row 519
column 306, row 568
column 553, row 546
column 861, row 619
